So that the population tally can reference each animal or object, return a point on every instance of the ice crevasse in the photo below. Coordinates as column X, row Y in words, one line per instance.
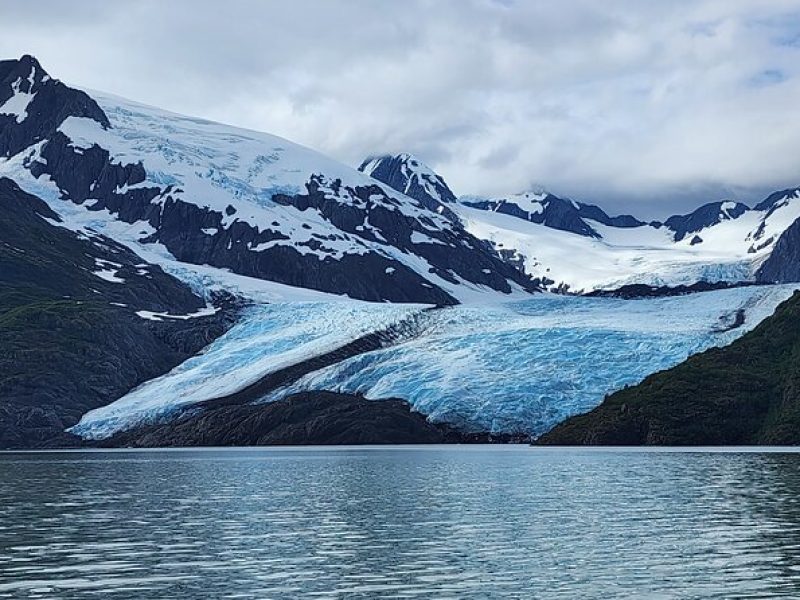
column 504, row 367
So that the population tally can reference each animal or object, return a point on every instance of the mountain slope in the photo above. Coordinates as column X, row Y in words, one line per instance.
column 249, row 202
column 568, row 245
column 80, row 322
column 316, row 418
column 745, row 393
column 719, row 242
column 707, row 215
column 410, row 176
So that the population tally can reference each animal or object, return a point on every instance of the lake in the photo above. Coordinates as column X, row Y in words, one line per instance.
column 410, row 522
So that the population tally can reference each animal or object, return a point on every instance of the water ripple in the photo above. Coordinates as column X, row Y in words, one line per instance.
column 470, row 522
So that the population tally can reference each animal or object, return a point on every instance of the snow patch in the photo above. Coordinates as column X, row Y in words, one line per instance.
column 160, row 316
column 108, row 271
column 17, row 105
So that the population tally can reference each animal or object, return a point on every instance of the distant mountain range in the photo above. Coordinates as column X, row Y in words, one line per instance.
column 568, row 245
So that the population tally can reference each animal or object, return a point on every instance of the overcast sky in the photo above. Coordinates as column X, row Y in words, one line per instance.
column 649, row 107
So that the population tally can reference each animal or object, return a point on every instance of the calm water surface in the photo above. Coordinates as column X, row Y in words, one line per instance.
column 441, row 522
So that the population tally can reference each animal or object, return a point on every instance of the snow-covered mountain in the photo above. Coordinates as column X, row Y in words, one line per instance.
column 409, row 175
column 253, row 203
column 123, row 221
column 573, row 246
column 544, row 208
column 706, row 216
column 731, row 244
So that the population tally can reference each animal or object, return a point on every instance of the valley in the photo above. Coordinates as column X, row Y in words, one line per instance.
column 272, row 272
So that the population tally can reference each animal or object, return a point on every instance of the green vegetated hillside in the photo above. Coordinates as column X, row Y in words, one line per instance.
column 71, row 340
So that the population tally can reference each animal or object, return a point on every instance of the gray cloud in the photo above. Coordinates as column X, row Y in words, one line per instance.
column 645, row 107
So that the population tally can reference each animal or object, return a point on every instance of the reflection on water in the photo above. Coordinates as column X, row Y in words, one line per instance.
column 443, row 522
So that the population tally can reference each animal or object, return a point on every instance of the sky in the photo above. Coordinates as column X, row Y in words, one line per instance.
column 649, row 107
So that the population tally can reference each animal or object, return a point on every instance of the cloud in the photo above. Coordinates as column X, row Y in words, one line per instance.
column 643, row 107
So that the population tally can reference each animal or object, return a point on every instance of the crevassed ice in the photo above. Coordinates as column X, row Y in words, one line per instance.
column 516, row 367
column 527, row 366
column 269, row 337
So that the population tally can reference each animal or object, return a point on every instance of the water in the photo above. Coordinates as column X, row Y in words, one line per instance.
column 443, row 522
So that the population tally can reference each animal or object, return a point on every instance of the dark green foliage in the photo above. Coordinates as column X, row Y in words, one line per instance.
column 745, row 393
column 67, row 344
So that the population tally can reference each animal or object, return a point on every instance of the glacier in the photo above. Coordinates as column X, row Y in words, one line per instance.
column 510, row 367
column 267, row 337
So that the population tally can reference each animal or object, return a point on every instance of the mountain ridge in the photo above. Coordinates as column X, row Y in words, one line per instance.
column 577, row 247
column 252, row 203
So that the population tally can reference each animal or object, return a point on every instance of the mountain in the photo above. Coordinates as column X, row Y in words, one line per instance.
column 568, row 245
column 778, row 199
column 706, row 216
column 595, row 213
column 169, row 278
column 745, row 393
column 783, row 264
column 131, row 238
column 410, row 176
column 82, row 321
column 731, row 250
column 252, row 203
column 573, row 246
column 540, row 208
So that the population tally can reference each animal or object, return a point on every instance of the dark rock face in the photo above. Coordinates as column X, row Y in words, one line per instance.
column 51, row 104
column 71, row 340
column 407, row 175
column 705, row 216
column 556, row 213
column 451, row 253
column 640, row 290
column 783, row 264
column 745, row 393
column 595, row 213
column 323, row 418
column 775, row 198
column 309, row 418
column 89, row 174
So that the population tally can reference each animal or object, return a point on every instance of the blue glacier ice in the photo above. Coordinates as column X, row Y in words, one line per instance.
column 526, row 366
column 267, row 337
column 502, row 367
